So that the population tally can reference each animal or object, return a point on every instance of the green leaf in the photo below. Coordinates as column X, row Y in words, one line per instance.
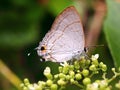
column 112, row 29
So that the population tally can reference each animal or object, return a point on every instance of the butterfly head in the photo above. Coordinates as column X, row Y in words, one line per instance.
column 43, row 52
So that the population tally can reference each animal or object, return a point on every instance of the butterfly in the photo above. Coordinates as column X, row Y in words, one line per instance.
column 65, row 39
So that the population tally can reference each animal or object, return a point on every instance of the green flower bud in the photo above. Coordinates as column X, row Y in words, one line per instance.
column 71, row 67
column 85, row 72
column 92, row 68
column 38, row 88
column 56, row 76
column 104, row 67
column 78, row 71
column 26, row 81
column 72, row 80
column 22, row 85
column 82, row 62
column 65, row 69
column 47, row 73
column 113, row 69
column 72, row 73
column 100, row 65
column 49, row 82
column 49, row 76
column 60, row 69
column 41, row 83
column 25, row 88
column 61, row 75
column 117, row 85
column 86, row 81
column 88, row 62
column 95, row 62
column 54, row 87
column 76, row 65
column 103, row 84
column 68, row 77
column 61, row 82
column 78, row 76
column 97, row 81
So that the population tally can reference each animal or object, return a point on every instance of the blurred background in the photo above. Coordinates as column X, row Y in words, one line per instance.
column 23, row 24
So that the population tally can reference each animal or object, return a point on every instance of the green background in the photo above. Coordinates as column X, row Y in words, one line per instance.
column 23, row 24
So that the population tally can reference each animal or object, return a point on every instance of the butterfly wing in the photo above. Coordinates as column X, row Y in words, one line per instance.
column 66, row 37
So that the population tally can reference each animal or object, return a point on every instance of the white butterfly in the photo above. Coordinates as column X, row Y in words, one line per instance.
column 65, row 39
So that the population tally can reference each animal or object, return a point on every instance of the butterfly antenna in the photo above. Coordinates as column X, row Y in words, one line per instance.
column 29, row 53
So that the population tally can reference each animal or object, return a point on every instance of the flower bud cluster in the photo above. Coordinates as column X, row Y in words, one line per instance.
column 79, row 73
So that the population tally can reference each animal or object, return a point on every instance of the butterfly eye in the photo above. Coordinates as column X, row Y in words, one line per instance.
column 42, row 48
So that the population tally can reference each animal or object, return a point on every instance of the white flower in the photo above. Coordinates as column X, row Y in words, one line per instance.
column 93, row 86
column 47, row 70
column 103, row 83
column 95, row 57
column 31, row 87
